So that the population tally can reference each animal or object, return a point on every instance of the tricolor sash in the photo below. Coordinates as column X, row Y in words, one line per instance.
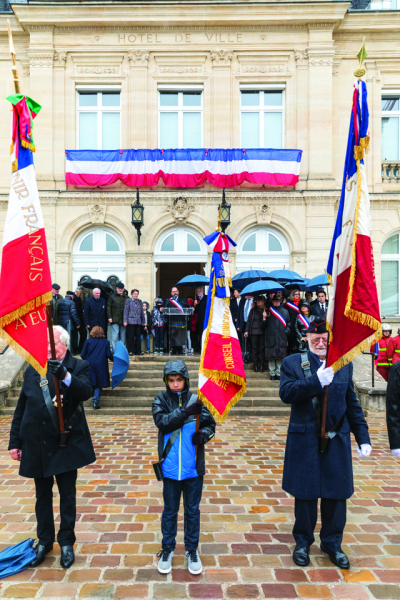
column 304, row 320
column 293, row 306
column 176, row 304
column 278, row 316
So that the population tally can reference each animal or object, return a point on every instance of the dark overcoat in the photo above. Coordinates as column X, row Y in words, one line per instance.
column 97, row 351
column 393, row 406
column 32, row 429
column 276, row 334
column 95, row 313
column 200, row 310
column 307, row 474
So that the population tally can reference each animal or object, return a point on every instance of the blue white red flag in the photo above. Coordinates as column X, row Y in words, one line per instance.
column 183, row 168
column 222, row 380
column 353, row 318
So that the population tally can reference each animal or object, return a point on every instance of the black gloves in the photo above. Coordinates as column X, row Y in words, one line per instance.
column 57, row 369
column 197, row 438
column 194, row 409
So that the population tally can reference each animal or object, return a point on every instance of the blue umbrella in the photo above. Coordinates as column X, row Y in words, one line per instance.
column 261, row 287
column 120, row 364
column 297, row 284
column 317, row 282
column 241, row 280
column 193, row 280
column 16, row 558
column 286, row 276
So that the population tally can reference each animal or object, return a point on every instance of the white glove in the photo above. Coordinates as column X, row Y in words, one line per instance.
column 396, row 452
column 325, row 376
column 365, row 450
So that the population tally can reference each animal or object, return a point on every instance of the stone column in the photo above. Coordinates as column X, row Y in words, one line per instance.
column 41, row 56
column 221, row 135
column 137, row 106
column 302, row 114
column 320, row 53
column 60, row 59
column 373, row 159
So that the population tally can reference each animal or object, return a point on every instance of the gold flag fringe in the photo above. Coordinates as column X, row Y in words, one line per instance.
column 351, row 354
column 26, row 144
column 217, row 416
column 14, row 166
column 24, row 353
column 11, row 147
column 222, row 281
column 25, row 309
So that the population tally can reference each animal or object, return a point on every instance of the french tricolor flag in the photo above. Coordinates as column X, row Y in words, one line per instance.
column 353, row 314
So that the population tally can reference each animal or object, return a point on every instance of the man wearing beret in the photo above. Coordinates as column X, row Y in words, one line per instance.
column 35, row 443
column 309, row 474
column 55, row 301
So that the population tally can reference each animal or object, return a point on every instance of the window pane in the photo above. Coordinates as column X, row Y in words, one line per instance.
column 87, row 99
column 390, row 104
column 274, row 244
column 111, row 99
column 111, row 131
column 87, row 244
column 192, row 99
column 168, row 98
column 250, row 244
column 250, row 98
column 390, row 138
column 250, row 130
column 192, row 244
column 111, row 244
column 390, row 287
column 168, row 244
column 192, row 130
column 272, row 98
column 273, row 130
column 168, row 130
column 88, row 131
column 391, row 246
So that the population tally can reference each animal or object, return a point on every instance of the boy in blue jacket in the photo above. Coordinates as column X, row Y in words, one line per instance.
column 174, row 413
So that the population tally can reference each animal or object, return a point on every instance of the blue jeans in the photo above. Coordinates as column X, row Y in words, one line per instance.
column 159, row 338
column 192, row 489
column 97, row 391
column 118, row 332
column 145, row 334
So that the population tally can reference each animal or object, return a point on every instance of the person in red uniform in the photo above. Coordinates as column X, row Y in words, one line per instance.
column 384, row 361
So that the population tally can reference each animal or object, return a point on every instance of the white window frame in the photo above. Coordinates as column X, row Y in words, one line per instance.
column 180, row 109
column 261, row 257
column 261, row 109
column 392, row 258
column 99, row 109
column 180, row 253
column 386, row 95
column 383, row 5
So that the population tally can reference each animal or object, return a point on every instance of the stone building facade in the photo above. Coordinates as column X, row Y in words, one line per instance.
column 303, row 51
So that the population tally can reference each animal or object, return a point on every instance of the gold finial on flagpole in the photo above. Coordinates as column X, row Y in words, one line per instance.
column 14, row 60
column 362, row 55
column 219, row 219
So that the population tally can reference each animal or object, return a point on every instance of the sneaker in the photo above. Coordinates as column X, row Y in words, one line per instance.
column 147, row 351
column 194, row 563
column 165, row 562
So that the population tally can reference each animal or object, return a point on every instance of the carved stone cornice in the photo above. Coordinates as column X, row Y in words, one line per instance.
column 138, row 58
column 42, row 59
column 320, row 26
column 40, row 28
column 319, row 58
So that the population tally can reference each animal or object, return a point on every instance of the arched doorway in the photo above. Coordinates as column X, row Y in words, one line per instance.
column 262, row 248
column 98, row 252
column 178, row 252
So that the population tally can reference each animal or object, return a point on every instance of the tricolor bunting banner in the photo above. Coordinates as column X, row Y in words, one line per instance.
column 25, row 262
column 222, row 379
column 183, row 168
column 353, row 318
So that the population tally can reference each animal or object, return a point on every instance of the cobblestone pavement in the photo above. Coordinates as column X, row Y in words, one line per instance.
column 246, row 522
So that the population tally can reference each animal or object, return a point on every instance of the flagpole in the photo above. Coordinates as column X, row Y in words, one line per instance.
column 14, row 60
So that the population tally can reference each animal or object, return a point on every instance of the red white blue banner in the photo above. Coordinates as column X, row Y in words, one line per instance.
column 183, row 168
column 222, row 379
column 353, row 313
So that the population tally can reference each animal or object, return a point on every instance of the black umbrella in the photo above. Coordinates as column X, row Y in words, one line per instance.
column 104, row 286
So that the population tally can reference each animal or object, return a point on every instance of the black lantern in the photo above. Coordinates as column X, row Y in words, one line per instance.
column 137, row 215
column 225, row 213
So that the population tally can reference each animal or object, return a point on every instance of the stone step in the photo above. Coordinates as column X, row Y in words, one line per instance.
column 237, row 411
column 193, row 375
column 143, row 390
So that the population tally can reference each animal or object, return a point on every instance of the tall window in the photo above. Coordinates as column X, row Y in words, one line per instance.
column 99, row 120
column 262, row 248
column 262, row 118
column 390, row 258
column 383, row 5
column 390, row 126
column 180, row 119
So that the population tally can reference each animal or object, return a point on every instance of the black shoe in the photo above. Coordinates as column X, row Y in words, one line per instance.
column 96, row 405
column 278, row 377
column 41, row 552
column 261, row 369
column 67, row 556
column 301, row 556
column 255, row 367
column 140, row 353
column 130, row 353
column 338, row 558
column 272, row 377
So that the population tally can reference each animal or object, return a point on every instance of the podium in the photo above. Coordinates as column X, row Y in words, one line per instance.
column 177, row 323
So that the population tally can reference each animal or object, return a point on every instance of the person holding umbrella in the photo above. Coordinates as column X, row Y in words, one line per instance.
column 97, row 352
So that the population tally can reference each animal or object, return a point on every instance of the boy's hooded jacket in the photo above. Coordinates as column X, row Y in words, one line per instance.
column 170, row 416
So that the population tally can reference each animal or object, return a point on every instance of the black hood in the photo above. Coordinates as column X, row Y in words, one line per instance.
column 176, row 367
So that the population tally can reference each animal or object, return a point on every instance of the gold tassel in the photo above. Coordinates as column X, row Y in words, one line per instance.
column 354, row 352
column 222, row 281
column 25, row 309
column 11, row 147
column 24, row 353
column 26, row 144
column 217, row 416
column 14, row 166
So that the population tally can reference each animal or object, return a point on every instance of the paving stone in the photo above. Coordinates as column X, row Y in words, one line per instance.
column 279, row 590
column 385, row 591
column 132, row 591
column 314, row 591
column 357, row 577
column 290, row 575
column 169, row 590
column 205, row 590
column 96, row 590
column 345, row 591
column 59, row 590
column 22, row 590
column 243, row 591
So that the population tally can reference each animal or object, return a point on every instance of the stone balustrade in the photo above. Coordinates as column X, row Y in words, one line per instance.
column 391, row 171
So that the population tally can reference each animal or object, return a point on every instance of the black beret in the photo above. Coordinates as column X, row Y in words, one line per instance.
column 69, row 293
column 55, row 286
column 120, row 285
column 317, row 327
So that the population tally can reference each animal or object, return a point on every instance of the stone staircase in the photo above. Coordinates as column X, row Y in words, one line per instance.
column 145, row 379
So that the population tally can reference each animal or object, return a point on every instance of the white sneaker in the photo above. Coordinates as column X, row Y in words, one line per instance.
column 165, row 562
column 194, row 563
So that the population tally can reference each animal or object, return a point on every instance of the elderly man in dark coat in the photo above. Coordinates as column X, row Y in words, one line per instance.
column 309, row 474
column 34, row 441
column 94, row 312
